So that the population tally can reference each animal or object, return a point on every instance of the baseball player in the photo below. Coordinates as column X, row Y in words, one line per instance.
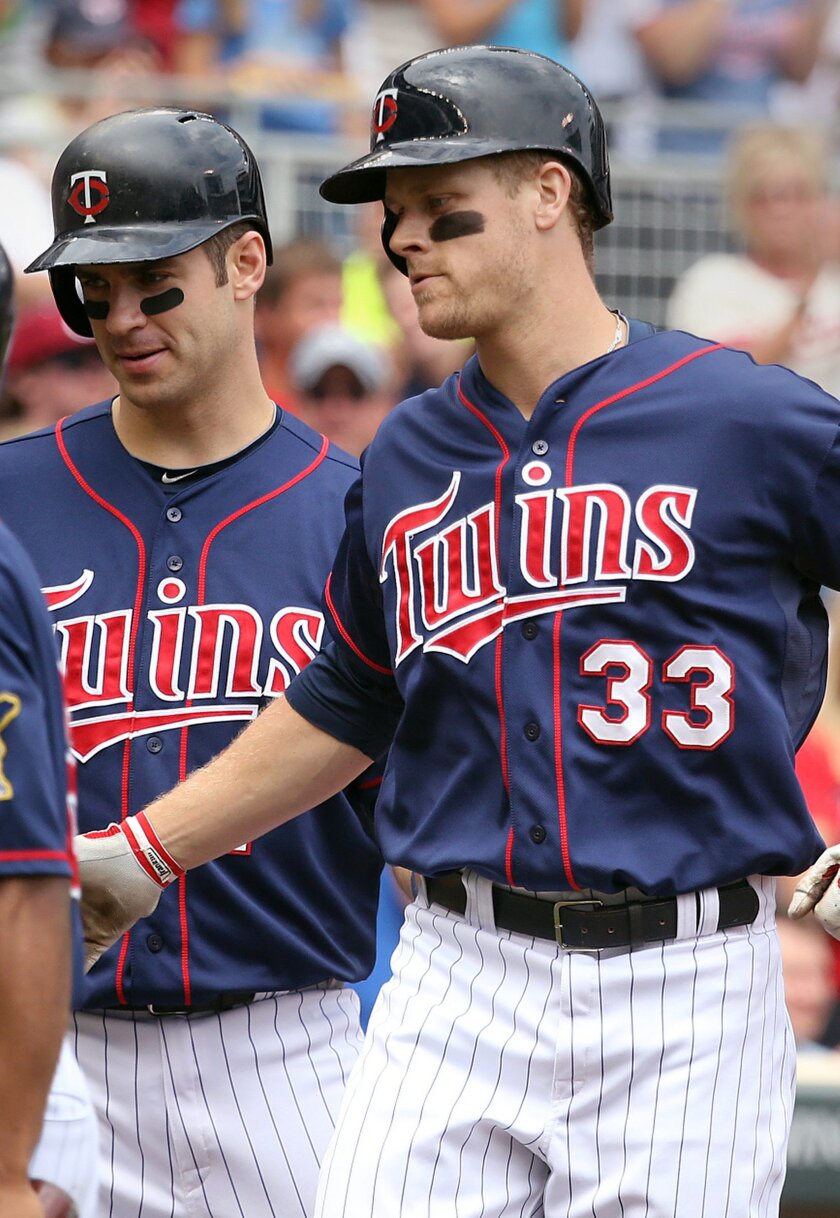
column 182, row 534
column 578, row 592
column 48, row 1129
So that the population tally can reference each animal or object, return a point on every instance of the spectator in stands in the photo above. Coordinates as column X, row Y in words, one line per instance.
column 547, row 26
column 50, row 372
column 609, row 57
column 809, row 989
column 343, row 385
column 729, row 53
column 292, row 49
column 779, row 299
column 302, row 290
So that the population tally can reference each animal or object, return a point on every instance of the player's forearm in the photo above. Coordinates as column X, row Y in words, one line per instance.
column 35, row 979
column 280, row 766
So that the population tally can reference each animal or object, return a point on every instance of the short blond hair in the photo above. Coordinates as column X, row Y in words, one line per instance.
column 762, row 152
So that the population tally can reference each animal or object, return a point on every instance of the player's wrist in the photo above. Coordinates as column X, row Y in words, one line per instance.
column 149, row 850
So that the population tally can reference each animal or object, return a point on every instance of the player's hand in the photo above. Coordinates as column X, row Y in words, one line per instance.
column 817, row 889
column 123, row 869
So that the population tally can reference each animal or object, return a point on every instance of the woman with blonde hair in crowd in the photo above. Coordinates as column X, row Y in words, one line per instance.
column 779, row 297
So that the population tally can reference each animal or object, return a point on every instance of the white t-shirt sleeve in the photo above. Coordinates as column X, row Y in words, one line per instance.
column 26, row 226
column 727, row 298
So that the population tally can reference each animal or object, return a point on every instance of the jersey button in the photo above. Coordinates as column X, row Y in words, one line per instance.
column 174, row 562
column 539, row 447
column 532, row 731
column 154, row 943
column 174, row 514
column 154, row 744
column 537, row 834
column 530, row 630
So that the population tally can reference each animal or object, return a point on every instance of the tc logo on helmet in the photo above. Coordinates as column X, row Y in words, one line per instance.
column 89, row 194
column 384, row 113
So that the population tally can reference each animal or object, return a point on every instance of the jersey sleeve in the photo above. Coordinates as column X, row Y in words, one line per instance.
column 34, row 829
column 818, row 547
column 348, row 690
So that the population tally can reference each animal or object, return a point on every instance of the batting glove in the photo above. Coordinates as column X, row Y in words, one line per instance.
column 819, row 889
column 123, row 870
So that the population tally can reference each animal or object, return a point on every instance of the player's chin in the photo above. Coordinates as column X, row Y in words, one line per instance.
column 443, row 323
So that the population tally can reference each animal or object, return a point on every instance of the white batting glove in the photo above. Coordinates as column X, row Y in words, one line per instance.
column 819, row 889
column 123, row 869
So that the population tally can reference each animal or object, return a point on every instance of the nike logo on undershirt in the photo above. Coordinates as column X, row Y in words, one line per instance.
column 176, row 477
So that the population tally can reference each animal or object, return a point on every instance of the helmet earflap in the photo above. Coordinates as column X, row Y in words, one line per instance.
column 389, row 224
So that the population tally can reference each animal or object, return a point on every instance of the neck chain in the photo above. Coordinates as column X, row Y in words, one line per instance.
column 620, row 320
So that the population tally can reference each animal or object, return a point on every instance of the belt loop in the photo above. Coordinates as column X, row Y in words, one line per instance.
column 687, row 916
column 479, row 911
column 709, row 913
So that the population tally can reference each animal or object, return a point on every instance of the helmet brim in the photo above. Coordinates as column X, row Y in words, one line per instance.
column 142, row 243
column 363, row 180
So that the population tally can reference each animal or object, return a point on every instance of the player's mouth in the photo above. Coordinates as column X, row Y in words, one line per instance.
column 421, row 280
column 139, row 361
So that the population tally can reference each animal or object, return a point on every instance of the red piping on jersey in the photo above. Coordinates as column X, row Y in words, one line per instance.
column 132, row 639
column 34, row 856
column 369, row 784
column 657, row 376
column 342, row 630
column 200, row 597
column 503, row 747
column 570, row 462
column 558, row 756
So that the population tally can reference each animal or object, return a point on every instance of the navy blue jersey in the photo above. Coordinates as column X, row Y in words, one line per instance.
column 180, row 610
column 603, row 622
column 37, row 774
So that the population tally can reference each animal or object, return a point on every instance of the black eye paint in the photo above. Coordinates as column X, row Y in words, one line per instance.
column 170, row 299
column 457, row 224
column 97, row 309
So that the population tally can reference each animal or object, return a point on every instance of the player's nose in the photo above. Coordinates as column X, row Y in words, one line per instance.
column 124, row 312
column 411, row 234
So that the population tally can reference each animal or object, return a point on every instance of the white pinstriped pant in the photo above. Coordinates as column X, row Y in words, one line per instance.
column 502, row 1076
column 218, row 1116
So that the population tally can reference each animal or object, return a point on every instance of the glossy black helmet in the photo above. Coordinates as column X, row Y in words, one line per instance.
column 467, row 102
column 7, row 305
column 143, row 185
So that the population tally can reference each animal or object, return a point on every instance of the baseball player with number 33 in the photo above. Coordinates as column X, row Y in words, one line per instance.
column 578, row 596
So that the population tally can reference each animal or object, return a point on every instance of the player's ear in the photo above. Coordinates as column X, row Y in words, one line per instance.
column 553, row 184
column 246, row 262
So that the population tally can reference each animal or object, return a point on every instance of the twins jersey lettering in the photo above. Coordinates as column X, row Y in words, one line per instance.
column 614, row 600
column 179, row 612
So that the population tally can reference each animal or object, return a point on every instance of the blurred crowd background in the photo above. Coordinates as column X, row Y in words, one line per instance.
column 723, row 122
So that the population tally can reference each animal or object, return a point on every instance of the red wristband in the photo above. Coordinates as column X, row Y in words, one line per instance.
column 150, row 851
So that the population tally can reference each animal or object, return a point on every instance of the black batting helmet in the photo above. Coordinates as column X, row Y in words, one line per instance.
column 473, row 101
column 143, row 185
column 7, row 305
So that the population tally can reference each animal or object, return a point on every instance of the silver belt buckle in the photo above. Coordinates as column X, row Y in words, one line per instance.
column 558, row 926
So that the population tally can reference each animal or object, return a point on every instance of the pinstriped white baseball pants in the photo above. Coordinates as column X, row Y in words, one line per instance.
column 503, row 1077
column 218, row 1116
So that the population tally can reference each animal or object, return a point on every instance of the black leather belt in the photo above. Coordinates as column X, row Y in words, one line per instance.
column 591, row 924
column 210, row 1006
